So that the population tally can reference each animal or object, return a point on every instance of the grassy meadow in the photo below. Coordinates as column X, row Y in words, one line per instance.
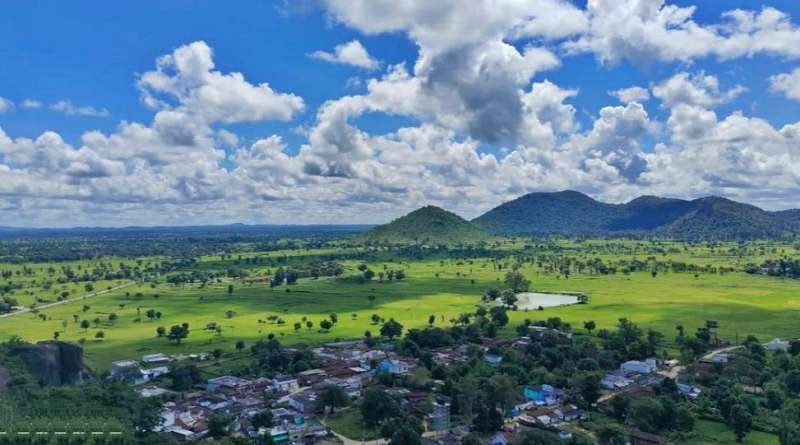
column 743, row 304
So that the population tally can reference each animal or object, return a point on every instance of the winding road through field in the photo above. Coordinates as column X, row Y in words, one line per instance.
column 70, row 300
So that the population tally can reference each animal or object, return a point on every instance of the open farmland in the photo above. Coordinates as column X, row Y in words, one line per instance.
column 444, row 284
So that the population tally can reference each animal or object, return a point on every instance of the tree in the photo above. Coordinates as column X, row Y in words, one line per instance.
column 325, row 325
column 498, row 315
column 501, row 391
column 56, row 334
column 587, row 387
column 516, row 281
column 178, row 333
column 509, row 297
column 431, row 320
column 774, row 396
column 789, row 430
column 184, row 376
column 405, row 436
column 85, row 325
column 151, row 314
column 230, row 289
column 160, row 331
column 378, row 406
column 646, row 414
column 684, row 420
column 333, row 396
column 291, row 277
column 619, row 406
column 297, row 326
column 262, row 419
column 487, row 418
column 334, row 318
column 368, row 275
column 741, row 421
column 240, row 346
column 589, row 325
column 309, row 324
column 391, row 329
column 492, row 294
column 539, row 437
column 100, row 335
column 217, row 353
column 112, row 317
column 218, row 425
column 792, row 381
column 612, row 434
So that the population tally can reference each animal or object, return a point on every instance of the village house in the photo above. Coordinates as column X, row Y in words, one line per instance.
column 285, row 384
column 311, row 377
column 127, row 371
column 305, row 402
column 225, row 382
column 543, row 394
column 155, row 358
column 616, row 380
column 392, row 366
column 776, row 344
column 689, row 391
column 648, row 366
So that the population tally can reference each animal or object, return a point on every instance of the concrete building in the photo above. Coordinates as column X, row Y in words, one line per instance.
column 648, row 366
column 393, row 367
column 305, row 402
column 226, row 382
column 127, row 371
column 283, row 384
column 155, row 358
column 776, row 344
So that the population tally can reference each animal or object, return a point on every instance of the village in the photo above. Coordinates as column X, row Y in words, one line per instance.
column 298, row 414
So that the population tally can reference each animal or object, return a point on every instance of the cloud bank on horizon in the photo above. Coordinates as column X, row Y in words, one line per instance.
column 490, row 107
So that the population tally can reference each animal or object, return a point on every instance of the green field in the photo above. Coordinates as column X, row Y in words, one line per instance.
column 743, row 304
column 713, row 433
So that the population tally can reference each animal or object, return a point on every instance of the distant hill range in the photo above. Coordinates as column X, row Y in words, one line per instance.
column 427, row 225
column 573, row 213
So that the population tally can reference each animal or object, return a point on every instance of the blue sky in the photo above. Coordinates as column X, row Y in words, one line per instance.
column 457, row 108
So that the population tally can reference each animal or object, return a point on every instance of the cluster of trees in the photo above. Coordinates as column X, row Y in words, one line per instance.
column 756, row 390
column 783, row 267
column 55, row 245
column 7, row 304
column 270, row 358
column 660, row 414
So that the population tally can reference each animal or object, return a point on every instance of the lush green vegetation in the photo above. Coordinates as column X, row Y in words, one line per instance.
column 573, row 213
column 240, row 302
column 428, row 225
column 229, row 297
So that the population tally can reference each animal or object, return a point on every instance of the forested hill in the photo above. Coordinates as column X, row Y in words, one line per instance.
column 428, row 225
column 573, row 213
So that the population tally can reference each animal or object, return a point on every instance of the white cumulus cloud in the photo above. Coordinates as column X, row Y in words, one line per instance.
column 787, row 84
column 350, row 53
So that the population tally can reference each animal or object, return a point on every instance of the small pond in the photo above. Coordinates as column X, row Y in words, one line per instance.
column 532, row 300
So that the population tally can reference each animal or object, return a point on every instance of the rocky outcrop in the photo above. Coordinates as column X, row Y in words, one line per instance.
column 53, row 363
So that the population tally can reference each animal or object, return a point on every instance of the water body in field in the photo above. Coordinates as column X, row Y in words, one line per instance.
column 532, row 300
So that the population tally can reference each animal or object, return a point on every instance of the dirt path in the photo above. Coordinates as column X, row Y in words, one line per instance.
column 718, row 351
column 70, row 300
